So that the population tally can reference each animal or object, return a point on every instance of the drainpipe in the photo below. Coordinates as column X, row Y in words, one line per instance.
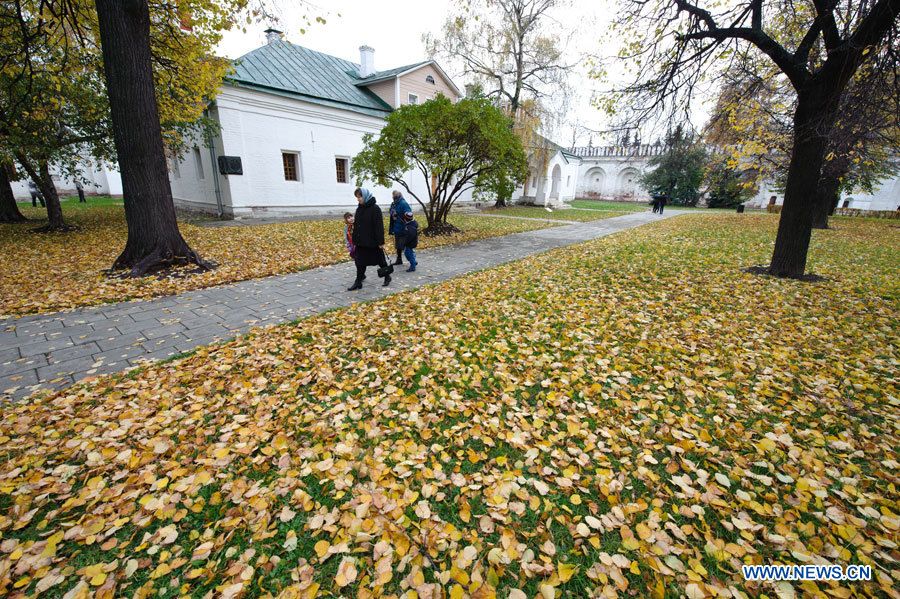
column 215, row 170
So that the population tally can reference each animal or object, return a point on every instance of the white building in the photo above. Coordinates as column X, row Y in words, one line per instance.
column 101, row 179
column 552, row 176
column 292, row 120
column 614, row 172
column 886, row 196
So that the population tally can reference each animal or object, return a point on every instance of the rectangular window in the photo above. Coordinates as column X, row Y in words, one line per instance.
column 568, row 181
column 340, row 169
column 413, row 99
column 198, row 163
column 289, row 161
column 176, row 169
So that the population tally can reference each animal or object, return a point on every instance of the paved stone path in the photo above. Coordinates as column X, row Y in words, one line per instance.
column 52, row 351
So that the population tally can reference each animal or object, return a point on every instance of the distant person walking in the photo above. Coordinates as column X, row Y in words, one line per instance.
column 35, row 194
column 396, row 226
column 663, row 198
column 80, row 188
column 368, row 237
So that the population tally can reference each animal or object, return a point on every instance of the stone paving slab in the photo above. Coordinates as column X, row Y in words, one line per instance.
column 51, row 351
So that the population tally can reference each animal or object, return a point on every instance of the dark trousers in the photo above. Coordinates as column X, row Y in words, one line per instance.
column 399, row 244
column 661, row 206
column 35, row 197
column 81, row 196
column 366, row 257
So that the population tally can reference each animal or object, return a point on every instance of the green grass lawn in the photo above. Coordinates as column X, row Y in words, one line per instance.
column 68, row 203
column 634, row 414
column 588, row 204
column 538, row 212
column 604, row 205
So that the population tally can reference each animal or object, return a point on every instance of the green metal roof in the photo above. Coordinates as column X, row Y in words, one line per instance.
column 286, row 69
column 374, row 77
column 547, row 143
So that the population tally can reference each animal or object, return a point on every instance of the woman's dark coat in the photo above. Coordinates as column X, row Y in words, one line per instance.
column 368, row 225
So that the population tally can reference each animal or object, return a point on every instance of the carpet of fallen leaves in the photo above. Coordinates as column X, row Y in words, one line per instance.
column 633, row 416
column 48, row 273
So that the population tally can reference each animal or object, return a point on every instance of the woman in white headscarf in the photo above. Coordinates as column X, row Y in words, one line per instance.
column 368, row 237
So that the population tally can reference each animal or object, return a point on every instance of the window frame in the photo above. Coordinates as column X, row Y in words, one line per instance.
column 346, row 166
column 409, row 99
column 198, row 164
column 298, row 175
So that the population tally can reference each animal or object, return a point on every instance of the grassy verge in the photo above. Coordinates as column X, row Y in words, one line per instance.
column 47, row 273
column 538, row 212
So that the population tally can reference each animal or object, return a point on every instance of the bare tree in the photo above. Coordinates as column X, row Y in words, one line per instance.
column 677, row 43
column 513, row 53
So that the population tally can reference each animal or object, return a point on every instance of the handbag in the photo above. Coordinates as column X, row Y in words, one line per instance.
column 384, row 271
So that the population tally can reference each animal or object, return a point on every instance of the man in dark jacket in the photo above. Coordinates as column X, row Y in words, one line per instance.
column 396, row 224
column 368, row 237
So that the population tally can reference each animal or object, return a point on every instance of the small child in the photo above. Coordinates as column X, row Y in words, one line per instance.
column 411, row 240
column 348, row 234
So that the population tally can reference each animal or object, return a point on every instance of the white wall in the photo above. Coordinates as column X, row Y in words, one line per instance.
column 258, row 127
column 569, row 176
column 540, row 185
column 102, row 179
column 613, row 172
column 885, row 197
column 189, row 188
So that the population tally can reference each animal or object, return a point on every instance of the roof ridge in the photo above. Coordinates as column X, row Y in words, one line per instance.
column 283, row 42
column 282, row 66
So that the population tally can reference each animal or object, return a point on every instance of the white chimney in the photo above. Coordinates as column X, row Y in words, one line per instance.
column 272, row 35
column 366, row 61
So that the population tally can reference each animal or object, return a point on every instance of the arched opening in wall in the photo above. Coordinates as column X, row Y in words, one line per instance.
column 556, row 179
column 594, row 182
column 628, row 182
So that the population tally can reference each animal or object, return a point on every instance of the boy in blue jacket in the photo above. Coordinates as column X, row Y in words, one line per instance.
column 410, row 240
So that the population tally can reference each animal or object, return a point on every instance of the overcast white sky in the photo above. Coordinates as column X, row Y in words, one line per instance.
column 395, row 28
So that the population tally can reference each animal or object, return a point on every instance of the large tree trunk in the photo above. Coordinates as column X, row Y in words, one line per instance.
column 829, row 195
column 811, row 119
column 9, row 210
column 44, row 181
column 154, row 241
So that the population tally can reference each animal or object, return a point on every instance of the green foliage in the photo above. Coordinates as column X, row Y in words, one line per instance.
column 679, row 170
column 52, row 88
column 726, row 186
column 455, row 147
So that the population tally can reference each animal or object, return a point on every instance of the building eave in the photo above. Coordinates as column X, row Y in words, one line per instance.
column 368, row 110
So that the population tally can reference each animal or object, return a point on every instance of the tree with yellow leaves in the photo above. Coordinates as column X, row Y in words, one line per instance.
column 817, row 46
column 78, row 75
column 752, row 122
